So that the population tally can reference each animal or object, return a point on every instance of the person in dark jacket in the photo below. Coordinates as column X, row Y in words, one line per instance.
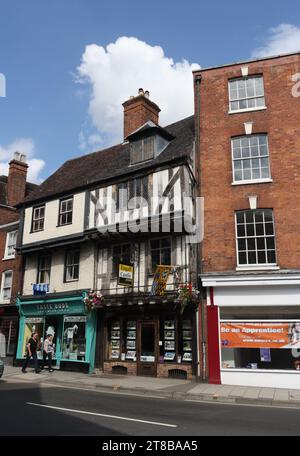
column 32, row 353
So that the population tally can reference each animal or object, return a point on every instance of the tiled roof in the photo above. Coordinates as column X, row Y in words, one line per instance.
column 112, row 163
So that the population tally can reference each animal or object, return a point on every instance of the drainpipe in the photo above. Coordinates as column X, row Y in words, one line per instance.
column 202, row 355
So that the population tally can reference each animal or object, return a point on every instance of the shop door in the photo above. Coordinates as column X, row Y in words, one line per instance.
column 147, row 348
column 52, row 327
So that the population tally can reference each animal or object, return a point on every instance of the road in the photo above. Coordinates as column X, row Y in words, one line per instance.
column 30, row 410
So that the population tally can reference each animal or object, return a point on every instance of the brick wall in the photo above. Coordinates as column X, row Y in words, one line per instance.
column 10, row 265
column 137, row 111
column 162, row 369
column 221, row 199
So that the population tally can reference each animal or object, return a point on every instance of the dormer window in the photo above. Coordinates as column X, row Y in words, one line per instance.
column 142, row 150
column 148, row 142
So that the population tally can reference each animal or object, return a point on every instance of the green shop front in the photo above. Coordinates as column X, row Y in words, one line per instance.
column 65, row 317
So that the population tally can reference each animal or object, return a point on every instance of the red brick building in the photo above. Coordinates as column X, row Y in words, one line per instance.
column 13, row 189
column 247, row 119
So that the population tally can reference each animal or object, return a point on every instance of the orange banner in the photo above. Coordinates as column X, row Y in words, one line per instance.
column 260, row 335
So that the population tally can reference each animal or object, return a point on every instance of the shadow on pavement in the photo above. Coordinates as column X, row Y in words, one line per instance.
column 19, row 419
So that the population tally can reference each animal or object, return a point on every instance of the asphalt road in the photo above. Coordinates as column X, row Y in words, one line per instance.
column 27, row 410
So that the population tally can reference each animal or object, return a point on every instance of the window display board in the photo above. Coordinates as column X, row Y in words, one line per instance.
column 187, row 340
column 131, row 340
column 169, row 340
column 115, row 340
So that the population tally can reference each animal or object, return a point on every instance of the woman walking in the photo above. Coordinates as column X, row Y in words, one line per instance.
column 48, row 350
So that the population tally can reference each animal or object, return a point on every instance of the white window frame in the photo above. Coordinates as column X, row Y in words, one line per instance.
column 65, row 212
column 4, row 274
column 255, row 97
column 258, row 157
column 71, row 265
column 254, row 266
column 8, row 256
column 40, row 221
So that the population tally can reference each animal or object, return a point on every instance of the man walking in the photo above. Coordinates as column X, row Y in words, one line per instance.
column 31, row 353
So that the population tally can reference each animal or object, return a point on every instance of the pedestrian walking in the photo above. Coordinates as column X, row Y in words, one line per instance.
column 32, row 353
column 48, row 350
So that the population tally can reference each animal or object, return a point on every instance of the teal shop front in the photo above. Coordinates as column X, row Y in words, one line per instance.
column 65, row 317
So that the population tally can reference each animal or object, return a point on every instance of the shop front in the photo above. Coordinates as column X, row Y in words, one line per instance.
column 9, row 322
column 254, row 333
column 149, row 340
column 63, row 316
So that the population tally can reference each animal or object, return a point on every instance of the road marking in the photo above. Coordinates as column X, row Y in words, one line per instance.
column 102, row 415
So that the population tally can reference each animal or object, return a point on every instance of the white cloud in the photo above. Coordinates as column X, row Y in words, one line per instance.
column 25, row 146
column 283, row 39
column 116, row 72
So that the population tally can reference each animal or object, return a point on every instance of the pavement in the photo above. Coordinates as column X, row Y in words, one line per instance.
column 157, row 387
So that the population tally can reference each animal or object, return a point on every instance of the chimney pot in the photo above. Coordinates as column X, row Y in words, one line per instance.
column 139, row 110
column 16, row 181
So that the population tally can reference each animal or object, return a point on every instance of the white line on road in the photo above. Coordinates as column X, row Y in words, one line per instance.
column 102, row 415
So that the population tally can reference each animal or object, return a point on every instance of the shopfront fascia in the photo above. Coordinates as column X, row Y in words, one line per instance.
column 65, row 317
column 254, row 330
column 148, row 339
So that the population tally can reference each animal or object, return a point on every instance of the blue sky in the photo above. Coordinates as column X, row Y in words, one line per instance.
column 42, row 43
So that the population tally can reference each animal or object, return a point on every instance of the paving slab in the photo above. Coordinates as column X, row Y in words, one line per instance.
column 251, row 393
column 281, row 395
column 267, row 393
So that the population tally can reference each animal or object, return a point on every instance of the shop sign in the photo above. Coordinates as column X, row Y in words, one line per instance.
column 260, row 335
column 75, row 319
column 50, row 308
column 126, row 275
column 160, row 280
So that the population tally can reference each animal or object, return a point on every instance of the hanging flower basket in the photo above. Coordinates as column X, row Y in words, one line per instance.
column 93, row 300
column 186, row 294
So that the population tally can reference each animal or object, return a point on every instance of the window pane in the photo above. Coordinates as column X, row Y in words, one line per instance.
column 241, row 244
column 251, row 257
column 251, row 244
column 259, row 227
column 270, row 243
column 250, row 230
column 261, row 256
column 249, row 217
column 238, row 175
column 271, row 256
column 240, row 217
column 241, row 230
column 242, row 258
column 260, row 242
column 269, row 229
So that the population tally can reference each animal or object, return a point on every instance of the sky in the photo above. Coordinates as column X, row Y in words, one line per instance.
column 69, row 64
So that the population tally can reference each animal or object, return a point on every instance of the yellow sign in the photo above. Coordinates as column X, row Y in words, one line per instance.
column 160, row 280
column 126, row 274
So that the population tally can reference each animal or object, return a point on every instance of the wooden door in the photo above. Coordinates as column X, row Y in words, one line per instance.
column 147, row 348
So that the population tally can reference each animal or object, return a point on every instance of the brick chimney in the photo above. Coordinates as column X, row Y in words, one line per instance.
column 16, row 183
column 139, row 110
